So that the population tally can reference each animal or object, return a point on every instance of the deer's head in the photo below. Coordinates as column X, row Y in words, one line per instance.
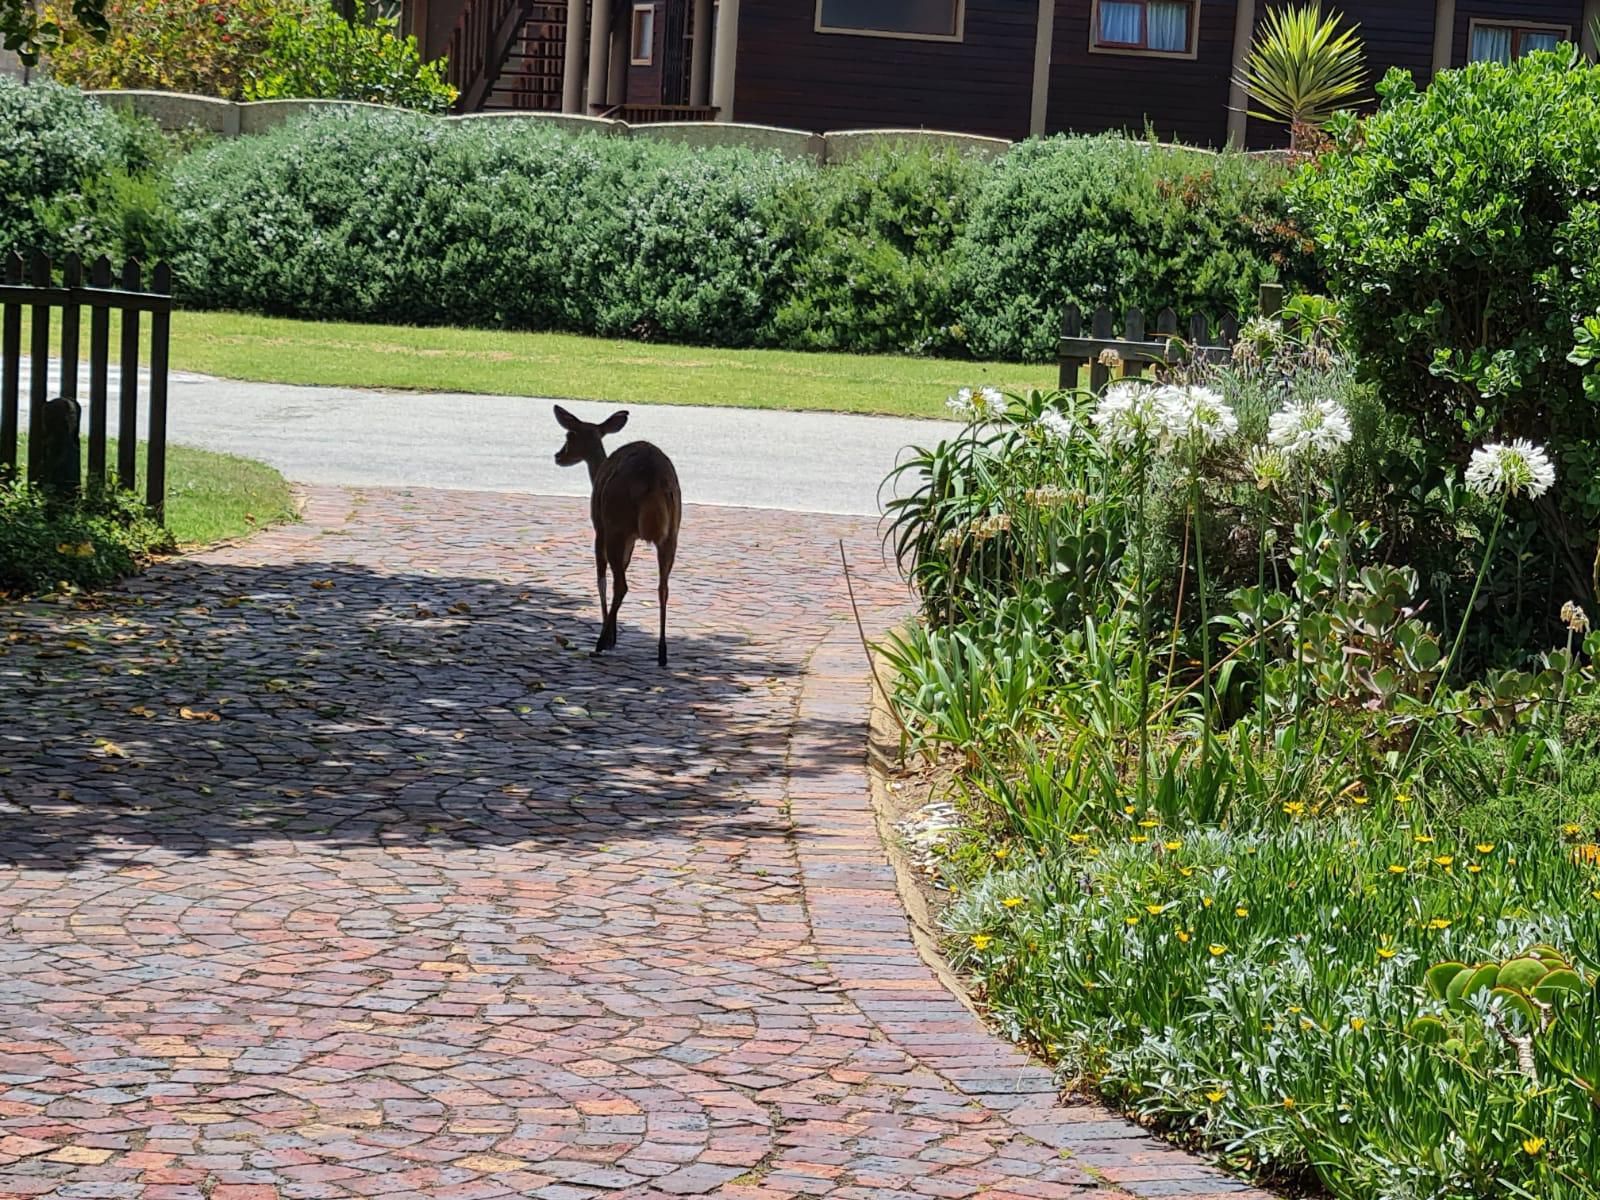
column 583, row 444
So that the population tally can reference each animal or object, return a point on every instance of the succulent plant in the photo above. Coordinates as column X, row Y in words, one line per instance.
column 1524, row 991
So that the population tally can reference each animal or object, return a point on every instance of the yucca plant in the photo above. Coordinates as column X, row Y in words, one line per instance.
column 1302, row 68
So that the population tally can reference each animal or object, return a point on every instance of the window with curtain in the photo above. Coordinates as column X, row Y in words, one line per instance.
column 915, row 18
column 1501, row 43
column 1161, row 25
column 644, row 34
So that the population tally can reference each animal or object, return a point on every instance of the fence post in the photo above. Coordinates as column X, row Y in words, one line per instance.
column 156, row 455
column 1271, row 300
column 1071, row 327
column 99, row 358
column 128, row 372
column 39, row 370
column 10, row 371
column 61, row 467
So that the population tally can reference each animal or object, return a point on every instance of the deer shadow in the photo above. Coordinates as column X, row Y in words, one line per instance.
column 211, row 707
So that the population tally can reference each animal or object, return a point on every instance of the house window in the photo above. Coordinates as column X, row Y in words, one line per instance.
column 937, row 20
column 1492, row 41
column 1145, row 26
column 644, row 34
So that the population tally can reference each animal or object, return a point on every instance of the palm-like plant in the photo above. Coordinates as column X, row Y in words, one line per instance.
column 1302, row 68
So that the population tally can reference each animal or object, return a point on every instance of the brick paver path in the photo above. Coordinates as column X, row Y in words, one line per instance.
column 330, row 865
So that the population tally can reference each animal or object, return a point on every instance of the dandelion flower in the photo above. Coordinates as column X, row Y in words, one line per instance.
column 1309, row 429
column 1512, row 470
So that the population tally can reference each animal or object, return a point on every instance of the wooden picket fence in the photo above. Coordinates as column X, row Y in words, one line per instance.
column 1195, row 340
column 33, row 286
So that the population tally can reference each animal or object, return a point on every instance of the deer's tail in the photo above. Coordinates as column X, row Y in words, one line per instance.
column 655, row 517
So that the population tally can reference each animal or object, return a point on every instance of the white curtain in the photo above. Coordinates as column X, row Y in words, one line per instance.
column 1490, row 43
column 1119, row 23
column 1169, row 25
column 1539, row 41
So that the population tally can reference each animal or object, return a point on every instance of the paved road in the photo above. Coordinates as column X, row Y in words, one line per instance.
column 801, row 462
column 332, row 866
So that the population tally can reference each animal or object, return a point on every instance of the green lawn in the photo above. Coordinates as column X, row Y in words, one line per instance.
column 211, row 497
column 563, row 365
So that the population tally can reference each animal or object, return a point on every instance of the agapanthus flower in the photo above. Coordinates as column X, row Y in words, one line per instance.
column 961, row 403
column 1516, row 469
column 1129, row 415
column 1309, row 429
column 1196, row 417
column 1058, row 425
column 991, row 403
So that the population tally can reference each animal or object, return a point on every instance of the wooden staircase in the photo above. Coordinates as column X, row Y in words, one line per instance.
column 506, row 55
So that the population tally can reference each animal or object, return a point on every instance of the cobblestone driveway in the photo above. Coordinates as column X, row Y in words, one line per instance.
column 331, row 865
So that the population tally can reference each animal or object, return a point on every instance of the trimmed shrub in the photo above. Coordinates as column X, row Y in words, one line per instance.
column 1459, row 228
column 64, row 162
column 874, row 255
column 1108, row 220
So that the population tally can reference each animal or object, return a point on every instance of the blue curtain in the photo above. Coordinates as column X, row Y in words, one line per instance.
column 1539, row 41
column 1490, row 43
column 1169, row 25
column 1119, row 23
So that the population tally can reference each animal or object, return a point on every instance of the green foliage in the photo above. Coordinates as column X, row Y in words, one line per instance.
column 29, row 32
column 1302, row 67
column 43, row 543
column 60, row 155
column 321, row 55
column 874, row 252
column 1457, row 226
column 1108, row 220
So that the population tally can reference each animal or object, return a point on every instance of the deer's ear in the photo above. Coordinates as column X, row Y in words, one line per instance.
column 614, row 422
column 567, row 420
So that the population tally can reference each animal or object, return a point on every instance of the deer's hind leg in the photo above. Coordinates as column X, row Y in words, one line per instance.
column 666, row 552
column 619, row 553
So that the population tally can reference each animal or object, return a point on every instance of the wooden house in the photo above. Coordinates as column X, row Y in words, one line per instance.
column 1002, row 68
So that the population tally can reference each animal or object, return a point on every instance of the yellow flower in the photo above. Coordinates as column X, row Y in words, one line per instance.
column 1402, row 798
column 1306, row 1023
column 1172, row 845
column 1484, row 847
column 1241, row 911
column 1387, row 952
column 1131, row 920
column 1444, row 860
column 1155, row 910
column 1183, row 936
column 1358, row 1023
column 1130, row 809
column 1138, row 839
column 1217, row 949
column 1295, row 1008
column 1474, row 869
column 1012, row 902
column 1358, row 801
column 1294, row 808
column 1216, row 1096
column 1396, row 869
column 1438, row 923
column 1532, row 1146
column 1423, row 839
column 1148, row 824
column 1288, row 1103
column 1077, row 839
column 1571, row 830
column 1205, row 901
column 1001, row 852
column 1186, row 872
column 980, row 941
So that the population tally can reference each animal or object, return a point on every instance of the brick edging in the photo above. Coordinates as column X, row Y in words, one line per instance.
column 861, row 929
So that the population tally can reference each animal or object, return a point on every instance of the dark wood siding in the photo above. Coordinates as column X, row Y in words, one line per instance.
column 1534, row 12
column 790, row 75
column 1394, row 33
column 1186, row 99
column 439, row 19
column 644, row 83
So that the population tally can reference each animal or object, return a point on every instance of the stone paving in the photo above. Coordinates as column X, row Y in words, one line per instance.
column 332, row 866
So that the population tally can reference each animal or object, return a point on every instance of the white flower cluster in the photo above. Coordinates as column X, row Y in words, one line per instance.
column 1166, row 417
column 1309, row 429
column 1057, row 425
column 986, row 404
column 1515, row 469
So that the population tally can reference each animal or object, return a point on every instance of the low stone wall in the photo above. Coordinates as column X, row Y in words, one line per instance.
column 175, row 110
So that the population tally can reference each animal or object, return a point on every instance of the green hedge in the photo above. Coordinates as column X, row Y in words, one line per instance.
column 388, row 217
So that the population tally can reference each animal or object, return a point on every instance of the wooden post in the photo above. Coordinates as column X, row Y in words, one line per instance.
column 39, row 377
column 700, row 55
column 60, row 464
column 10, row 372
column 99, row 360
column 572, row 60
column 128, row 374
column 1100, row 330
column 156, row 454
column 1271, row 303
column 1071, row 327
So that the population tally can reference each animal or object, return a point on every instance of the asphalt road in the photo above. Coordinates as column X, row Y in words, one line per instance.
column 799, row 462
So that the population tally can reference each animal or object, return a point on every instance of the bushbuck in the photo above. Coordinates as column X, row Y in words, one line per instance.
column 635, row 498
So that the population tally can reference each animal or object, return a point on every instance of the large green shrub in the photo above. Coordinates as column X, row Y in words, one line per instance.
column 1108, row 220
column 63, row 159
column 875, row 252
column 1460, row 228
column 321, row 55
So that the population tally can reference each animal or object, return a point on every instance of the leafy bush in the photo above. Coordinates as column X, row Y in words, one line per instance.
column 1459, row 228
column 874, row 257
column 321, row 55
column 86, row 544
column 59, row 155
column 251, row 50
column 1108, row 220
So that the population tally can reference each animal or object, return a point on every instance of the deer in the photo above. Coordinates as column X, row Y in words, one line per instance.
column 634, row 497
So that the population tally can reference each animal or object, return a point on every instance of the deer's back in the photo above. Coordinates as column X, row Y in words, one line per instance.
column 637, row 484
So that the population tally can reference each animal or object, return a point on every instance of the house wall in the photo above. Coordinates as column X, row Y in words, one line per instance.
column 1093, row 91
column 1534, row 12
column 644, row 83
column 788, row 74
